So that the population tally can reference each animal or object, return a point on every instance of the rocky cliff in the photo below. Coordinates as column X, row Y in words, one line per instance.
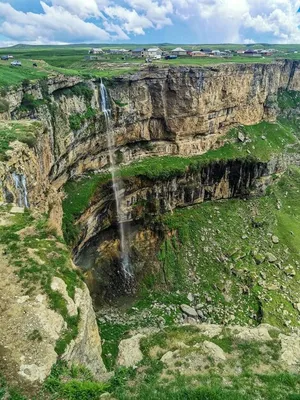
column 158, row 111
column 180, row 111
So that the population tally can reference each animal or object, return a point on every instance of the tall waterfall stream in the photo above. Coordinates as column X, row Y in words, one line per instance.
column 105, row 107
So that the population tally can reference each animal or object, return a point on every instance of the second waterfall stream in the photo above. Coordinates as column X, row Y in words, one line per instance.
column 106, row 109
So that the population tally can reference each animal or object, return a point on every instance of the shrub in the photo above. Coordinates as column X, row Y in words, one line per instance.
column 76, row 120
column 80, row 90
column 25, row 82
column 29, row 103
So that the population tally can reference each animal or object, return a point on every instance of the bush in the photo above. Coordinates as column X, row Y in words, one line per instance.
column 29, row 103
column 76, row 120
column 80, row 90
column 25, row 83
column 78, row 390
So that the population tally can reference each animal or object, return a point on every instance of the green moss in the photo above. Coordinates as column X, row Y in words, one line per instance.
column 111, row 335
column 75, row 383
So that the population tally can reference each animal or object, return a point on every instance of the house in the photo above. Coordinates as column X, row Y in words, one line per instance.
column 178, row 52
column 118, row 51
column 154, row 52
column 252, row 53
column 206, row 51
column 240, row 51
column 198, row 54
column 96, row 51
column 139, row 52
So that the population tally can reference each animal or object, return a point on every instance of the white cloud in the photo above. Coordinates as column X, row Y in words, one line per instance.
column 54, row 24
column 130, row 20
column 211, row 21
column 158, row 13
column 228, row 20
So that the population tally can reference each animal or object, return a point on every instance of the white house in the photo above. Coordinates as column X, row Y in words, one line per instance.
column 154, row 52
column 179, row 52
column 96, row 51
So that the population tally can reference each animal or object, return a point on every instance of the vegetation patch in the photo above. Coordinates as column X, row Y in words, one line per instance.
column 29, row 103
column 23, row 131
column 79, row 90
column 76, row 120
column 288, row 99
column 78, row 196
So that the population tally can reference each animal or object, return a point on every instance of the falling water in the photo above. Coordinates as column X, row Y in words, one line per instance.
column 20, row 185
column 105, row 107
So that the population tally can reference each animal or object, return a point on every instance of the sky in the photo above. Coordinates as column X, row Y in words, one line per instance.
column 149, row 21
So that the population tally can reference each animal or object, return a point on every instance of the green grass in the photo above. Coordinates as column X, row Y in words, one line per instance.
column 23, row 131
column 79, row 193
column 288, row 100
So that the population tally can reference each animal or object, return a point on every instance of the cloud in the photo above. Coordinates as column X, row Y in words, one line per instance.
column 234, row 20
column 207, row 21
column 54, row 24
column 82, row 8
column 130, row 20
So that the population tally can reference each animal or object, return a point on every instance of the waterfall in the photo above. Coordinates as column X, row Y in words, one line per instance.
column 105, row 107
column 20, row 185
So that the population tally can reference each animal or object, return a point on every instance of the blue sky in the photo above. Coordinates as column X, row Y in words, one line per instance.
column 149, row 21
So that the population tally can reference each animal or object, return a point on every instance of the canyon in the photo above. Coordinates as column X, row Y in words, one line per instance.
column 179, row 138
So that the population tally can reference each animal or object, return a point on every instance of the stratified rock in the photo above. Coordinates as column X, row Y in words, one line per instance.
column 190, row 311
column 129, row 351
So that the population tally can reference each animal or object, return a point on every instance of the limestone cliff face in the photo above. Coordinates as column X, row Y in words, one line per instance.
column 157, row 111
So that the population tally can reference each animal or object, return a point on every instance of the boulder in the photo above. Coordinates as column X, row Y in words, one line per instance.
column 271, row 258
column 275, row 239
column 129, row 351
column 190, row 311
column 241, row 137
column 214, row 351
